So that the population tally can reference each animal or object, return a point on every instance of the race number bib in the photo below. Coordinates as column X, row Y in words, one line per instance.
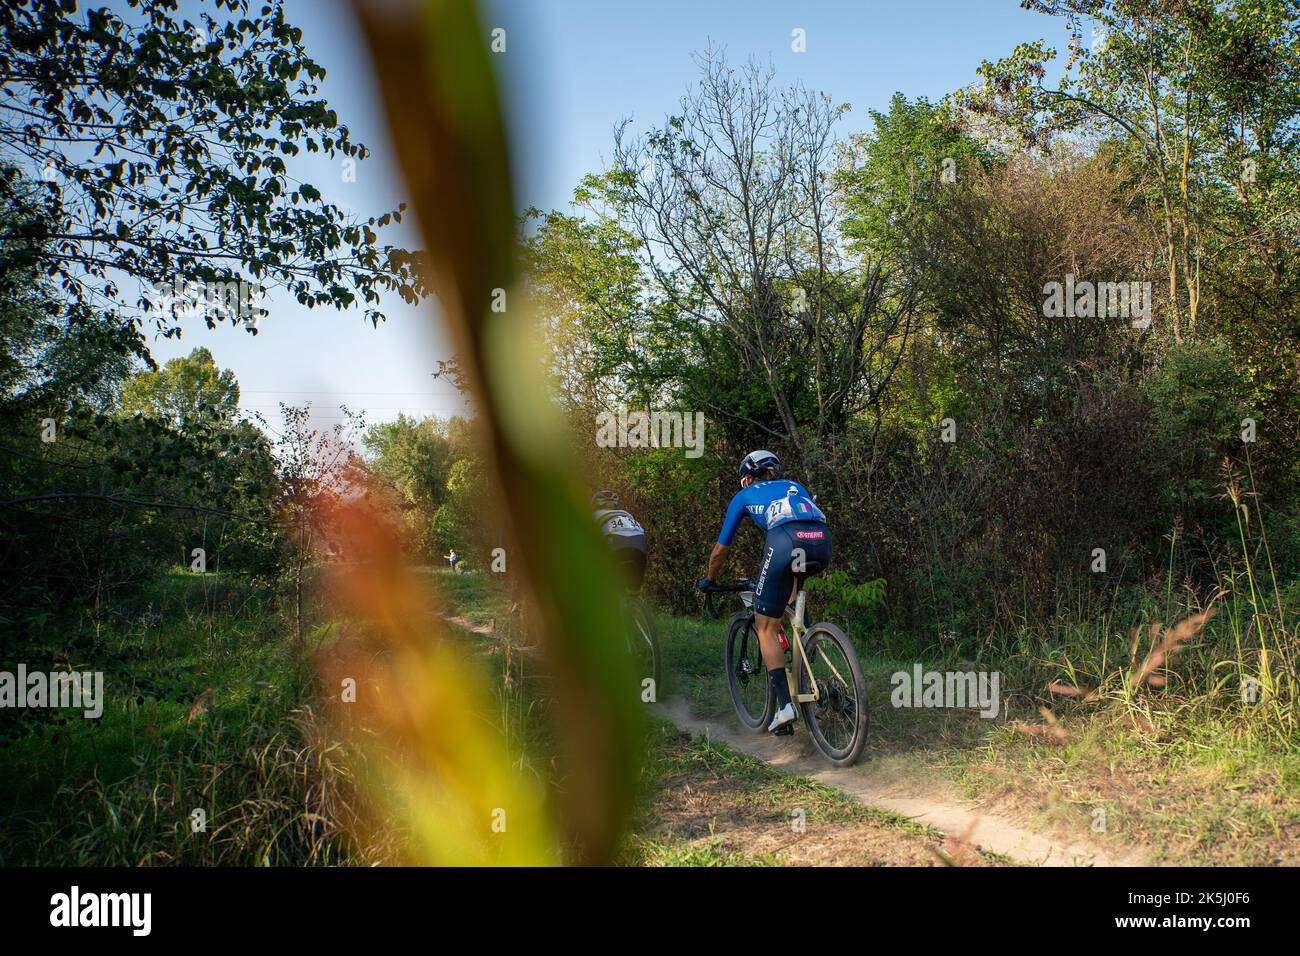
column 622, row 524
column 794, row 506
column 779, row 511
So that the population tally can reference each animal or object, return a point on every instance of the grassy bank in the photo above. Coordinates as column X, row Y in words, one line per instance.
column 210, row 707
column 1191, row 774
column 206, row 709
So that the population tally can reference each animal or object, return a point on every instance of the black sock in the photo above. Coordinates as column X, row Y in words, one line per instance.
column 781, row 685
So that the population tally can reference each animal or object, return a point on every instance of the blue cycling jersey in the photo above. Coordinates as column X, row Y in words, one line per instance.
column 768, row 504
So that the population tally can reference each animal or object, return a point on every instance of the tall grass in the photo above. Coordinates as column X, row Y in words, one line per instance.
column 1265, row 632
column 205, row 710
column 1228, row 657
column 272, row 795
column 440, row 97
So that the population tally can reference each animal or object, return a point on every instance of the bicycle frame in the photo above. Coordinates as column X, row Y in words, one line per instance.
column 797, row 630
column 744, row 666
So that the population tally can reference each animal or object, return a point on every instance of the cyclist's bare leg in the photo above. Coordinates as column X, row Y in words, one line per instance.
column 773, row 655
column 768, row 642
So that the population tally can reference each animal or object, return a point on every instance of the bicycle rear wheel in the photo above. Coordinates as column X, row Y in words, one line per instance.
column 837, row 720
column 643, row 645
column 746, row 674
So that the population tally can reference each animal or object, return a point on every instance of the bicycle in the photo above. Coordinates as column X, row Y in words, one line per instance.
column 643, row 643
column 831, row 699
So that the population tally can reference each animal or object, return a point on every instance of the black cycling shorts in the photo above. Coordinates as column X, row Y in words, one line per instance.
column 629, row 554
column 781, row 558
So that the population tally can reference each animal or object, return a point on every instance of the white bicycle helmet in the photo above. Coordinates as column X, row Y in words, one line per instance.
column 757, row 462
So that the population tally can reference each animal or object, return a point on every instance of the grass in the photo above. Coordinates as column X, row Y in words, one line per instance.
column 707, row 805
column 203, row 711
column 1178, row 769
column 208, row 707
column 1182, row 736
column 478, row 597
column 524, row 707
column 1186, row 791
column 704, row 804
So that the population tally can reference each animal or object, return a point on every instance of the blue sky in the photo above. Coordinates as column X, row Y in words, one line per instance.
column 574, row 69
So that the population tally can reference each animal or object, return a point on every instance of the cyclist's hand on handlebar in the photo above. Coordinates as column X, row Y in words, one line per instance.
column 705, row 585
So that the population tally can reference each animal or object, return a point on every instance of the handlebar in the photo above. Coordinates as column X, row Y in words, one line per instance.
column 734, row 588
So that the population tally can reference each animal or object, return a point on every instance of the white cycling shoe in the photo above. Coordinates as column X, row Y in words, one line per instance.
column 783, row 716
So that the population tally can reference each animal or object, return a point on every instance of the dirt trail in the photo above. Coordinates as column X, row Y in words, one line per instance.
column 887, row 786
column 898, row 794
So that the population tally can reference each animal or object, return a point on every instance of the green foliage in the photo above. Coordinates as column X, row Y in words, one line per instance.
column 464, row 521
column 1071, row 432
column 204, row 708
column 183, row 389
column 589, row 287
column 118, row 496
column 148, row 145
column 1199, row 396
column 674, row 499
column 777, row 330
column 46, row 362
column 1200, row 99
column 843, row 597
column 426, row 465
column 140, row 150
column 900, row 169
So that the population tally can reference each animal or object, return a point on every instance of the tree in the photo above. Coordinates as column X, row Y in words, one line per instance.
column 740, row 227
column 1204, row 98
column 182, row 389
column 316, row 471
column 591, row 293
column 415, row 459
column 463, row 521
column 47, row 365
column 100, row 503
column 896, row 174
column 149, row 148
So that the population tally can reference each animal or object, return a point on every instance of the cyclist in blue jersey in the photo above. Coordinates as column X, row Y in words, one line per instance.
column 798, row 544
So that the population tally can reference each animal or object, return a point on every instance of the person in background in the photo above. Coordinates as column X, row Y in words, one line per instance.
column 624, row 535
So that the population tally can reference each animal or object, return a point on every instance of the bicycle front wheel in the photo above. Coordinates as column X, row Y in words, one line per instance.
column 837, row 720
column 746, row 674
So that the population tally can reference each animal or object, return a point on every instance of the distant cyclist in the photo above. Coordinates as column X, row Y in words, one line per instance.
column 798, row 543
column 623, row 534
